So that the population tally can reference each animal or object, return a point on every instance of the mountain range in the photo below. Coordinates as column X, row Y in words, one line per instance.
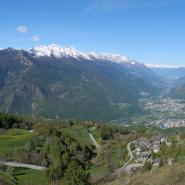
column 62, row 82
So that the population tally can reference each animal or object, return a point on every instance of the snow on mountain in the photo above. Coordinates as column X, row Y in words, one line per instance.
column 59, row 51
column 162, row 66
column 111, row 57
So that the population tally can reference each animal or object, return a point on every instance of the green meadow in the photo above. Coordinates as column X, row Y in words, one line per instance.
column 12, row 139
column 31, row 177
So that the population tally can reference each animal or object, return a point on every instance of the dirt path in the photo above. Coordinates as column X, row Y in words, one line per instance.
column 94, row 141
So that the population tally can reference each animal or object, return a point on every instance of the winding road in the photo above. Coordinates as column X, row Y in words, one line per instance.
column 127, row 167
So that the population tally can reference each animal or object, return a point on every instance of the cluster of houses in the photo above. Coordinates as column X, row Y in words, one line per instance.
column 169, row 123
column 164, row 105
column 145, row 148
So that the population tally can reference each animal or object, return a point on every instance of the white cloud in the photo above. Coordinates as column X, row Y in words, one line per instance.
column 36, row 38
column 22, row 29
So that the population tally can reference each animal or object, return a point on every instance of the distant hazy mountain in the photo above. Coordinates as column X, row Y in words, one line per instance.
column 54, row 81
column 169, row 72
column 179, row 90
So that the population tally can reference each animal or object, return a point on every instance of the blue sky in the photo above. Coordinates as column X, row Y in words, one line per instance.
column 151, row 31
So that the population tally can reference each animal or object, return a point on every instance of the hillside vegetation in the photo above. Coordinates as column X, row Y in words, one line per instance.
column 70, row 156
column 173, row 175
column 63, row 147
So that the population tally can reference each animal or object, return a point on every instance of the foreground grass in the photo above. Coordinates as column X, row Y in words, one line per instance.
column 173, row 175
column 6, row 179
column 31, row 177
column 23, row 176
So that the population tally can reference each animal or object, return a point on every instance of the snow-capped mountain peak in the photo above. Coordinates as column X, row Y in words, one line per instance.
column 57, row 51
column 109, row 57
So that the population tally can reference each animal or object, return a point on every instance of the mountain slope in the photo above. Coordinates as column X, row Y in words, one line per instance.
column 179, row 91
column 52, row 81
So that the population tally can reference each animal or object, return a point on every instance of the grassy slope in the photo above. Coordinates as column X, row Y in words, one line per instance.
column 31, row 177
column 174, row 175
column 13, row 138
column 17, row 138
column 6, row 179
column 108, row 157
column 78, row 133
column 24, row 177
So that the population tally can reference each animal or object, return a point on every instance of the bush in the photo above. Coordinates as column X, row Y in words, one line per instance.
column 147, row 166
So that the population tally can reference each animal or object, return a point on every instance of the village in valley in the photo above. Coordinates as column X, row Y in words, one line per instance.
column 166, row 104
column 161, row 112
column 167, row 112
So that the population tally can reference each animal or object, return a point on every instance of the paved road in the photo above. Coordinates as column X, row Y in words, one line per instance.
column 22, row 165
column 122, row 169
column 130, row 152
column 127, row 167
column 94, row 141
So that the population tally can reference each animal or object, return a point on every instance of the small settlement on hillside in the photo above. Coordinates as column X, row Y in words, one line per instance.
column 145, row 149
